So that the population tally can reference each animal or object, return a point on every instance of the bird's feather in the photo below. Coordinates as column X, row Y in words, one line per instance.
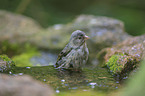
column 62, row 54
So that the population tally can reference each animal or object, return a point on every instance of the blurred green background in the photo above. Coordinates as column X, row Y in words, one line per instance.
column 50, row 12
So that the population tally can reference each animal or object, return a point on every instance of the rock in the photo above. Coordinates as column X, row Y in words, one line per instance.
column 103, row 31
column 17, row 28
column 6, row 64
column 22, row 86
column 126, row 56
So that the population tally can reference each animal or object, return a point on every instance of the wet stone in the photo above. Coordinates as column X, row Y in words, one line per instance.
column 126, row 56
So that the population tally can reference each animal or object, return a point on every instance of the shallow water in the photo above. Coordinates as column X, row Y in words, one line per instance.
column 45, row 59
column 90, row 79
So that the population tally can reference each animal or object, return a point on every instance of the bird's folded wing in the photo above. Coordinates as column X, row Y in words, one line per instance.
column 64, row 52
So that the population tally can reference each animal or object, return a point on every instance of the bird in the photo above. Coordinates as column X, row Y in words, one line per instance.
column 75, row 54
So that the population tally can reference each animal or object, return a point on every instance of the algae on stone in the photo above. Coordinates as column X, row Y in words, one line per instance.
column 133, row 50
column 114, row 65
column 6, row 63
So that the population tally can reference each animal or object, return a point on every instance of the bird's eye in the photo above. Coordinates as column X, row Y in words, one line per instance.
column 80, row 37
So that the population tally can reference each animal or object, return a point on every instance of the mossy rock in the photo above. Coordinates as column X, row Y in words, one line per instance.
column 6, row 63
column 124, row 57
column 121, row 64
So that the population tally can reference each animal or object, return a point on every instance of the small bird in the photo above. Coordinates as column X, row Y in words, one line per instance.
column 75, row 54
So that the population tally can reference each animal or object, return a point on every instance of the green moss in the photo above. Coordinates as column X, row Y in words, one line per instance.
column 21, row 52
column 114, row 64
column 6, row 63
column 80, row 80
column 23, row 59
column 81, row 93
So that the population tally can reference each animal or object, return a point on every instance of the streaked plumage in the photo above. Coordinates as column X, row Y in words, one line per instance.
column 75, row 54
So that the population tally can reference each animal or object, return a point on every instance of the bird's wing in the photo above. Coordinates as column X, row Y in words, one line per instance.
column 63, row 53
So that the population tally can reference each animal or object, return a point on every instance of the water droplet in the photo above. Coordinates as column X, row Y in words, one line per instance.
column 57, row 91
column 92, row 84
column 28, row 67
column 62, row 80
column 117, row 81
column 66, row 84
column 44, row 79
column 10, row 72
column 20, row 73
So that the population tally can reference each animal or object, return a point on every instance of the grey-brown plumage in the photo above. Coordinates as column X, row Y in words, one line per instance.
column 75, row 54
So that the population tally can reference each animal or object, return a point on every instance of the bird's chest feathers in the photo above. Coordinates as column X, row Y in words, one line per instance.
column 80, row 51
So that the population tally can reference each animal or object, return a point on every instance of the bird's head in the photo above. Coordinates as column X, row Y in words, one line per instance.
column 78, row 38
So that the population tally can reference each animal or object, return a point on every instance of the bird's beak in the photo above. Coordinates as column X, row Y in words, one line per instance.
column 86, row 37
